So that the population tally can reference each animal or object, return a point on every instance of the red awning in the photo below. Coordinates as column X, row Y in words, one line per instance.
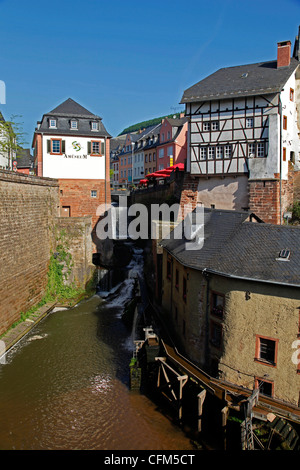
column 179, row 166
column 143, row 181
column 158, row 174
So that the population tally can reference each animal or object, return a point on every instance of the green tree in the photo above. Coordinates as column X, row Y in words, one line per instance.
column 11, row 138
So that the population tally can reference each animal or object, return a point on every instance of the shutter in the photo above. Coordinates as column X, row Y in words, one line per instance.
column 48, row 146
column 89, row 148
column 63, row 146
column 102, row 148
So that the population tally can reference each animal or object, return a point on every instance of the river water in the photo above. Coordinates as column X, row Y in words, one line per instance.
column 66, row 384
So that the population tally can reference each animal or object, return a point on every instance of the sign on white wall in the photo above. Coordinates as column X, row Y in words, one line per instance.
column 68, row 157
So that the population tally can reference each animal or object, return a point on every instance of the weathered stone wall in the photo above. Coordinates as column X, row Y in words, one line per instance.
column 76, row 233
column 264, row 196
column 267, row 310
column 28, row 210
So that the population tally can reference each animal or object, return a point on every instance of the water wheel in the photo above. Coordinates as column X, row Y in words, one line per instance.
column 276, row 435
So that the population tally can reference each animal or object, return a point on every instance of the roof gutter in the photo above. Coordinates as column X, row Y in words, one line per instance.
column 250, row 279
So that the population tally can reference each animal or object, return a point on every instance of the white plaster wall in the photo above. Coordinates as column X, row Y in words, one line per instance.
column 228, row 193
column 79, row 165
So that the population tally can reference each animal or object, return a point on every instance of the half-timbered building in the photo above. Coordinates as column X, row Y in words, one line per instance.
column 243, row 135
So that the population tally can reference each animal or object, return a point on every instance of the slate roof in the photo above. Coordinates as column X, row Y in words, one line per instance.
column 254, row 252
column 24, row 158
column 66, row 111
column 235, row 247
column 243, row 80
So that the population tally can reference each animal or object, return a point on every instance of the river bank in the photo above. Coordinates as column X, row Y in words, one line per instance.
column 15, row 333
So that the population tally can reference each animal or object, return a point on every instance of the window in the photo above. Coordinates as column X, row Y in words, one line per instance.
column 95, row 126
column 266, row 350
column 93, row 193
column 203, row 152
column 249, row 122
column 95, row 148
column 177, row 279
column 56, row 146
column 217, row 304
column 219, row 152
column 251, row 149
column 74, row 125
column 170, row 151
column 169, row 135
column 227, row 151
column 184, row 289
column 161, row 153
column 260, row 149
column 211, row 153
column 284, row 154
column 168, row 269
column 216, row 334
column 265, row 387
column 291, row 94
column 284, row 123
column 215, row 125
column 52, row 123
column 206, row 126
column 163, row 137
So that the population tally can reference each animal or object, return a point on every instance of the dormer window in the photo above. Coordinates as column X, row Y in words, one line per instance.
column 52, row 123
column 95, row 126
column 74, row 125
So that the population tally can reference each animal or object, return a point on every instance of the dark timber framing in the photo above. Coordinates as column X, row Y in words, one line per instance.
column 226, row 149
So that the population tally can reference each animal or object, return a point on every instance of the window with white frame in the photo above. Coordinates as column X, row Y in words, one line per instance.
column 95, row 126
column 211, row 153
column 215, row 125
column 93, row 193
column 52, row 123
column 203, row 153
column 206, row 126
column 249, row 122
column 74, row 125
column 251, row 149
column 219, row 151
column 260, row 149
column 227, row 151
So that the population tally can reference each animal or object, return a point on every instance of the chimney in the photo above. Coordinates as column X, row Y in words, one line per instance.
column 283, row 54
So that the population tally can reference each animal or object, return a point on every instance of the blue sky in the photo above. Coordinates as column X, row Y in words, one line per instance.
column 128, row 61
